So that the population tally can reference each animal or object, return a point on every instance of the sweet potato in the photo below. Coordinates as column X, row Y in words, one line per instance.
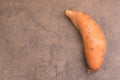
column 93, row 38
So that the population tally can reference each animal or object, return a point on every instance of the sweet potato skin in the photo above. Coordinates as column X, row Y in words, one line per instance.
column 93, row 38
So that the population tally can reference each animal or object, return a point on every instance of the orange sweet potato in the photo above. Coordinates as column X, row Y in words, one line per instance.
column 93, row 38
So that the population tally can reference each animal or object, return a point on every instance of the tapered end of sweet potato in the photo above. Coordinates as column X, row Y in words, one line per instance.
column 69, row 13
column 90, row 71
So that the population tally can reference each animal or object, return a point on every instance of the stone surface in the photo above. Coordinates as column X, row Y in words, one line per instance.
column 38, row 42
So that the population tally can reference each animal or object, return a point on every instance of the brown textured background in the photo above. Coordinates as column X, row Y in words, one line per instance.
column 38, row 42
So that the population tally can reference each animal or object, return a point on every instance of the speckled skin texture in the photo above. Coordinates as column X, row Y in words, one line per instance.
column 38, row 42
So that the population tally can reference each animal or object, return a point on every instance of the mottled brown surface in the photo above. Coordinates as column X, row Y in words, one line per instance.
column 38, row 42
